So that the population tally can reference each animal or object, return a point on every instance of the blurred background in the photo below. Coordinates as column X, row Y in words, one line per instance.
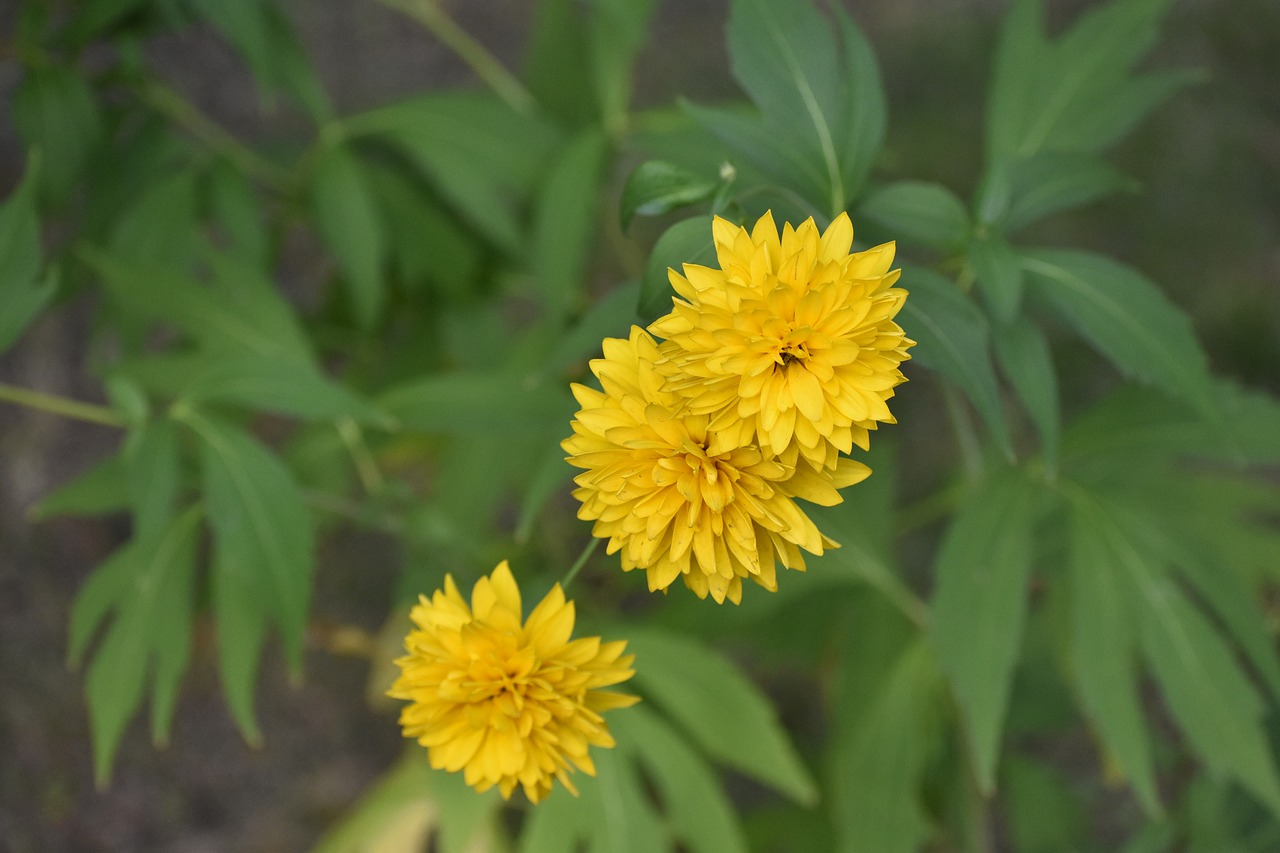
column 1205, row 226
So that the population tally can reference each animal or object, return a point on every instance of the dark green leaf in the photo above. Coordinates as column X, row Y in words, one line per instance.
column 696, row 806
column 724, row 713
column 888, row 742
column 56, row 113
column 610, row 316
column 915, row 211
column 1128, row 319
column 1044, row 812
column 1055, row 181
column 998, row 271
column 1025, row 359
column 866, row 115
column 1102, row 649
column 160, row 226
column 261, row 526
column 553, row 62
column 20, row 294
column 979, row 605
column 686, row 242
column 94, row 16
column 565, row 217
column 952, row 339
column 616, row 34
column 346, row 218
column 465, row 403
column 656, row 187
column 234, row 208
column 1014, row 79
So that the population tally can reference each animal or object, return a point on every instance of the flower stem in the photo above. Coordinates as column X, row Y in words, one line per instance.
column 580, row 562
column 361, row 456
column 61, row 406
column 433, row 17
column 167, row 101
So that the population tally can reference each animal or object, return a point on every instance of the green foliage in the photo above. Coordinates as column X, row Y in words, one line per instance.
column 1078, row 569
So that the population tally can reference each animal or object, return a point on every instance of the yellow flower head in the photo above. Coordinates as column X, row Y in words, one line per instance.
column 503, row 701
column 792, row 339
column 673, row 499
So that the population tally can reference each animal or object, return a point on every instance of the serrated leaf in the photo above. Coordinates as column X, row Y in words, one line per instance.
column 565, row 218
column 656, row 187
column 953, row 339
column 979, row 605
column 1102, row 650
column 686, row 242
column 917, row 211
column 888, row 742
column 346, row 218
column 721, row 710
column 1127, row 319
column 998, row 272
column 699, row 812
column 261, row 525
column 469, row 402
column 1024, row 357
column 55, row 112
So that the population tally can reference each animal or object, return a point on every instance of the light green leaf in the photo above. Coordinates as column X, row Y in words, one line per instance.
column 1102, row 649
column 240, row 596
column 1024, row 357
column 888, row 742
column 56, row 113
column 346, row 218
column 723, row 712
column 154, row 472
column 700, row 815
column 953, row 339
column 261, row 525
column 686, row 242
column 998, row 271
column 1051, row 182
column 470, row 402
column 159, row 227
column 656, row 187
column 916, row 211
column 1128, row 319
column 565, row 218
column 234, row 208
column 979, row 605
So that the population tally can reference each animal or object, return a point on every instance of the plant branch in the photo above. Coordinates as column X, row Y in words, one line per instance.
column 61, row 406
column 580, row 562
column 434, row 18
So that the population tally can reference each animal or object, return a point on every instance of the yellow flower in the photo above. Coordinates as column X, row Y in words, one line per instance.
column 792, row 339
column 677, row 501
column 503, row 701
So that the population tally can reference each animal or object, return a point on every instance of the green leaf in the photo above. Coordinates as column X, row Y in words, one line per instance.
column 1051, row 182
column 700, row 815
column 261, row 526
column 470, row 402
column 1024, row 357
column 979, row 605
column 153, row 616
column 888, row 741
column 154, row 472
column 553, row 62
column 20, row 294
column 721, row 710
column 916, row 211
column 1014, row 78
column 616, row 34
column 953, row 340
column 1127, row 319
column 234, row 208
column 1044, row 812
column 240, row 598
column 476, row 151
column 102, row 489
column 1214, row 703
column 686, row 242
column 346, row 218
column 610, row 316
column 159, row 227
column 863, row 128
column 56, row 113
column 656, row 187
column 1102, row 649
column 786, row 60
column 565, row 218
column 998, row 272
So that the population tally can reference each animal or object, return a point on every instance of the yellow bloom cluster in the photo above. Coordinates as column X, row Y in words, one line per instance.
column 769, row 369
column 506, row 701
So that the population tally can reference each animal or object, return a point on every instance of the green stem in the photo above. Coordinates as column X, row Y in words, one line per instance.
column 432, row 15
column 167, row 101
column 61, row 406
column 361, row 456
column 580, row 562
